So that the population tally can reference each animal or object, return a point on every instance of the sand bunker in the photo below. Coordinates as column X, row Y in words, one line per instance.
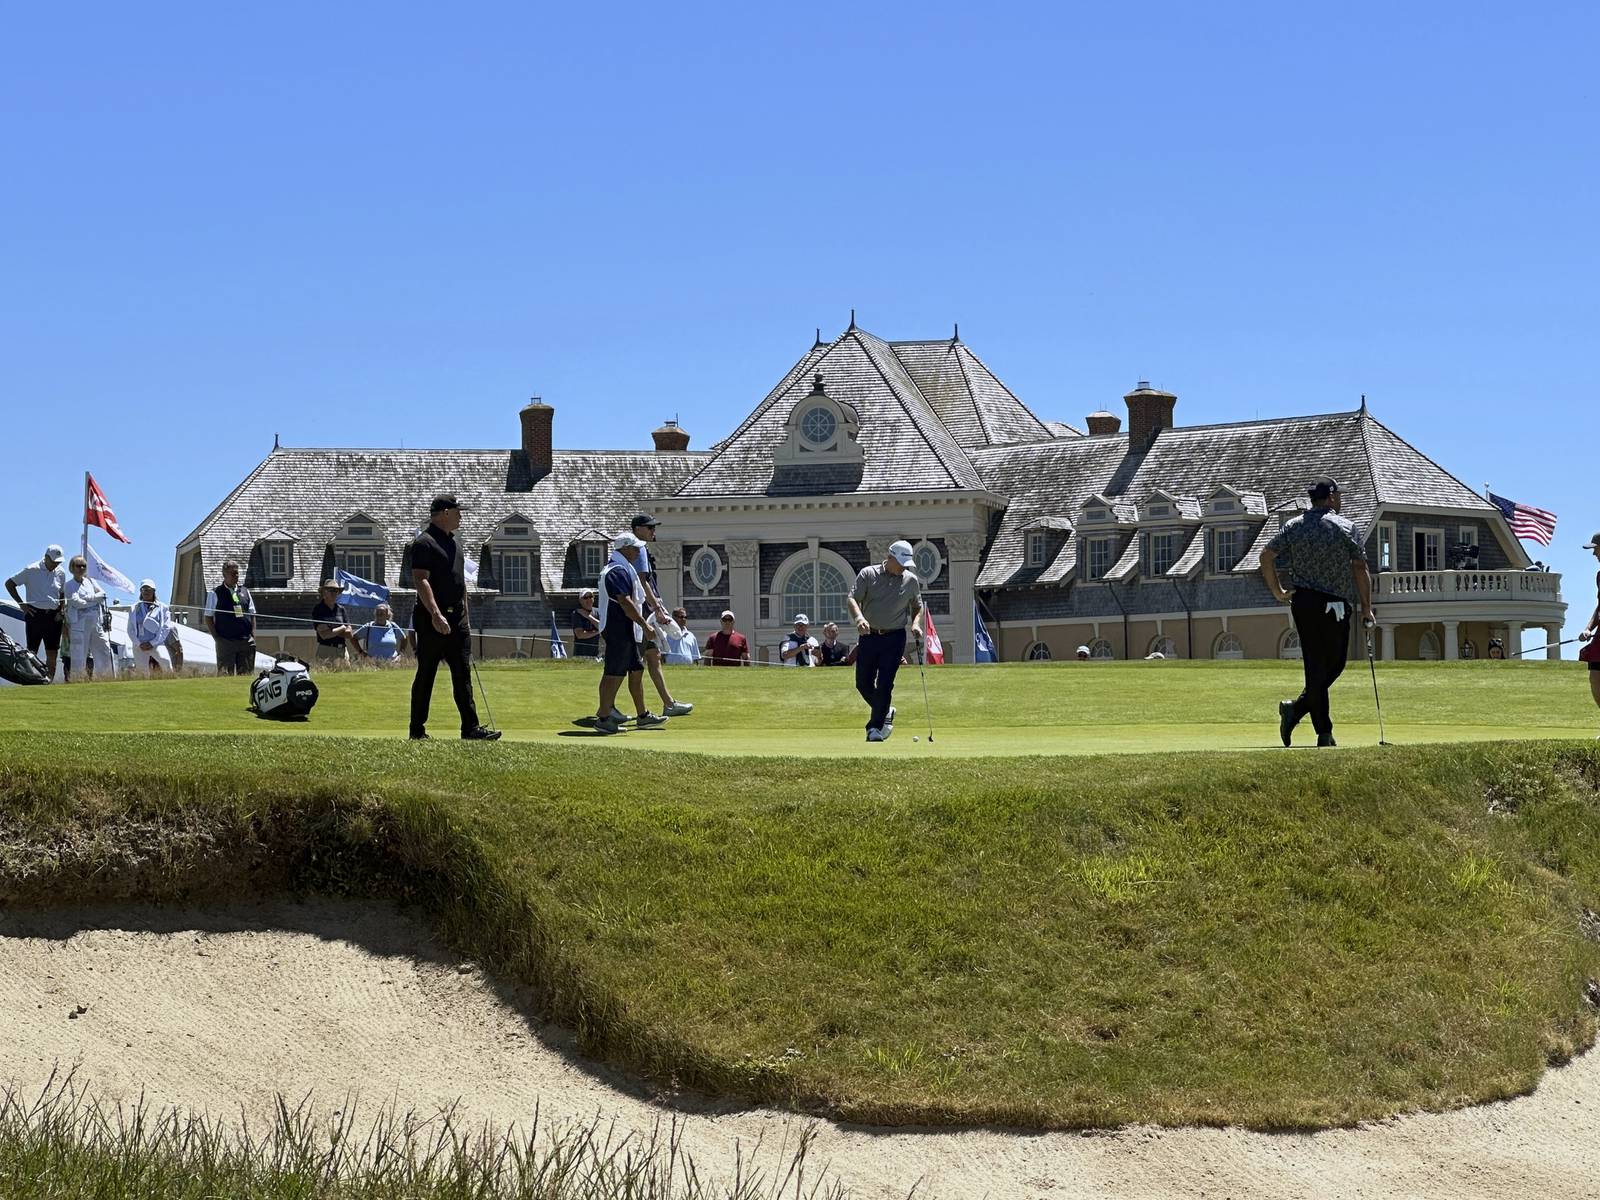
column 213, row 1009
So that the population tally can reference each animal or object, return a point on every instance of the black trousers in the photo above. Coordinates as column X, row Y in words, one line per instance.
column 877, row 661
column 1324, row 649
column 453, row 649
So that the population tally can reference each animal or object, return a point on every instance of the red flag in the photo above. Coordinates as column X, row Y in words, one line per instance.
column 97, row 512
column 934, row 647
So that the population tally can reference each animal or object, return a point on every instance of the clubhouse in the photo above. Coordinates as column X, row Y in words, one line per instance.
column 1129, row 540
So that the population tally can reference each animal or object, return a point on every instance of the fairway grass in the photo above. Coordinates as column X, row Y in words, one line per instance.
column 1296, row 940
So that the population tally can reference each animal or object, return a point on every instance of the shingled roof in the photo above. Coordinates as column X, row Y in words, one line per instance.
column 922, row 405
column 308, row 492
column 1277, row 458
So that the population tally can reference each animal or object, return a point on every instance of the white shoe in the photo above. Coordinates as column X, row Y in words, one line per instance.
column 677, row 709
column 618, row 717
column 889, row 720
column 877, row 735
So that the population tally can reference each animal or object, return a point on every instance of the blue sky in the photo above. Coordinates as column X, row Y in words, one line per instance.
column 375, row 225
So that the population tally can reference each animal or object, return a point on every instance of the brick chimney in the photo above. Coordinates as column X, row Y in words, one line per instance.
column 537, row 418
column 1103, row 422
column 1149, row 412
column 670, row 438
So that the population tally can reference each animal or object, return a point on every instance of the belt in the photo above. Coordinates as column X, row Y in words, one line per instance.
column 884, row 632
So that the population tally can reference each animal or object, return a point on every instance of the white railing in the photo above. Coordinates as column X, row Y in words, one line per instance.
column 1469, row 585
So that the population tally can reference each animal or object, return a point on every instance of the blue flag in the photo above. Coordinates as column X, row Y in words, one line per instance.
column 358, row 592
column 557, row 648
column 982, row 647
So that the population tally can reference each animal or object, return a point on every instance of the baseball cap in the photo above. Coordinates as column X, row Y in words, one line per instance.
column 727, row 614
column 53, row 553
column 801, row 619
column 643, row 519
column 441, row 503
column 1081, row 650
column 626, row 541
column 1592, row 542
column 147, row 583
column 901, row 553
column 1321, row 489
column 586, row 592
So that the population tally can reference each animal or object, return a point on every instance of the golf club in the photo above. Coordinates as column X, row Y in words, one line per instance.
column 926, row 707
column 1549, row 646
column 1372, row 666
column 488, row 712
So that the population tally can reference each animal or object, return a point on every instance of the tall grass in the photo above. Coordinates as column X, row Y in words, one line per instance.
column 66, row 1143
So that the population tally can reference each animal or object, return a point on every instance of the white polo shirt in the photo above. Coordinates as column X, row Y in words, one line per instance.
column 41, row 587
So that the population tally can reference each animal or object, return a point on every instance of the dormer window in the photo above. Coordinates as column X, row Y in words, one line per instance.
column 512, row 548
column 272, row 564
column 359, row 547
column 1095, row 514
column 1036, row 548
column 1223, row 506
column 591, row 558
column 1161, row 510
column 820, row 428
column 277, row 556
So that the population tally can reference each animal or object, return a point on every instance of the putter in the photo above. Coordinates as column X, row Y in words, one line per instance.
column 926, row 707
column 489, row 712
column 1372, row 666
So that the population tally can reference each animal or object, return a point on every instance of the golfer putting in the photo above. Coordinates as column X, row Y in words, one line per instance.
column 886, row 602
column 1328, row 578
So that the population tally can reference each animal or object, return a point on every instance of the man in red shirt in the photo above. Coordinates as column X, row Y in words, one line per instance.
column 726, row 648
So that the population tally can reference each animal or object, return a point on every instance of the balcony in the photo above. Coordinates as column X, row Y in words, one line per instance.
column 1536, row 587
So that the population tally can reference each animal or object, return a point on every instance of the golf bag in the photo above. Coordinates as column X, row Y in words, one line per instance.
column 17, row 665
column 284, row 693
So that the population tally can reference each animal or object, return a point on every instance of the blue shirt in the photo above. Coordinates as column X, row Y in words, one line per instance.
column 382, row 641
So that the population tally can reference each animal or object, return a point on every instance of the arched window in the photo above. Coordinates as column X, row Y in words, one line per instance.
column 1037, row 652
column 816, row 587
column 1428, row 646
column 1289, row 645
column 1100, row 650
column 1163, row 646
column 1228, row 645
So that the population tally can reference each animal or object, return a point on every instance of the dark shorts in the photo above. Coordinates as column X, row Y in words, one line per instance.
column 42, row 625
column 622, row 655
column 586, row 647
column 1594, row 666
column 648, row 645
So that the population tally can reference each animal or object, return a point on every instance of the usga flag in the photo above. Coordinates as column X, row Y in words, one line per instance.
column 97, row 512
column 934, row 648
column 558, row 648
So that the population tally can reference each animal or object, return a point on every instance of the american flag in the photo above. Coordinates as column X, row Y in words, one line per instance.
column 1534, row 524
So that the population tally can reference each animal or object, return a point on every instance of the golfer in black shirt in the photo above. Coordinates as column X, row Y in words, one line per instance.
column 438, row 569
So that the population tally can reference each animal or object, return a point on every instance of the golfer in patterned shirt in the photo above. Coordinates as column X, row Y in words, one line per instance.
column 1328, row 581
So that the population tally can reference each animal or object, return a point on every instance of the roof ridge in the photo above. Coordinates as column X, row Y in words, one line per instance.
column 916, row 419
column 966, row 380
column 1453, row 478
column 1362, row 417
column 972, row 399
column 1018, row 400
column 210, row 518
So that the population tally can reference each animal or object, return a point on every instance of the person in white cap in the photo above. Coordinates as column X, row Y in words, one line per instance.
column 44, row 606
column 1083, row 654
column 886, row 603
column 727, row 647
column 87, row 622
column 799, row 648
column 150, row 628
column 622, row 622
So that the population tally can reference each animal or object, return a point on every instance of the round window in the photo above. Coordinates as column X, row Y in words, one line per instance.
column 705, row 568
column 927, row 561
column 818, row 425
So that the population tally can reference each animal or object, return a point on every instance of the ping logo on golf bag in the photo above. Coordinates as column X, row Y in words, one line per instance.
column 285, row 692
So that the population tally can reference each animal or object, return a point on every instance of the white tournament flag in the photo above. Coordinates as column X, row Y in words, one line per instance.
column 104, row 572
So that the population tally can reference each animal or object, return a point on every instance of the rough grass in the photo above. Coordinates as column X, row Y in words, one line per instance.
column 1294, row 940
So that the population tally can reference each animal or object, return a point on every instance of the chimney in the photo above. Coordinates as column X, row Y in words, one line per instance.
column 537, row 418
column 1103, row 422
column 670, row 439
column 1149, row 412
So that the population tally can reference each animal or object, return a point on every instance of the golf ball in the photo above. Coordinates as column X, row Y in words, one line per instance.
column 915, row 738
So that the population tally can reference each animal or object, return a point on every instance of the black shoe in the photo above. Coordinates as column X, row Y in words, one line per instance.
column 479, row 734
column 1286, row 720
column 1326, row 739
column 420, row 737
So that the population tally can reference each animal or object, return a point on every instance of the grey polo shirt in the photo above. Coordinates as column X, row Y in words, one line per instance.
column 887, row 601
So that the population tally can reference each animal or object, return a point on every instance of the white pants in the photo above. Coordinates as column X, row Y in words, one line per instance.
column 90, row 640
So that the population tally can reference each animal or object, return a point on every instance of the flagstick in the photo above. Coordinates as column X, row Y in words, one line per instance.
column 86, row 516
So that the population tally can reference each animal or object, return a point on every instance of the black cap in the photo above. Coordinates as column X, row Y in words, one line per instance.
column 440, row 503
column 644, row 519
column 1322, row 489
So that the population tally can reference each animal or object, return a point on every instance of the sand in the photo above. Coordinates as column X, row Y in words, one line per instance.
column 215, row 1009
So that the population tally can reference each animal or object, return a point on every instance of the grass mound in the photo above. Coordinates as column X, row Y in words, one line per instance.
column 1298, row 940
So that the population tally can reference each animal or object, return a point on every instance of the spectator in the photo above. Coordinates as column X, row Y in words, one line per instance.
column 151, row 629
column 230, row 615
column 1497, row 648
column 1083, row 654
column 585, row 627
column 683, row 648
column 336, row 638
column 382, row 638
column 42, row 611
column 727, row 647
column 799, row 648
column 832, row 652
column 87, row 621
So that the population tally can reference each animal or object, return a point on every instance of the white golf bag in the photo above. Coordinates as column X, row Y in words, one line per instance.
column 285, row 692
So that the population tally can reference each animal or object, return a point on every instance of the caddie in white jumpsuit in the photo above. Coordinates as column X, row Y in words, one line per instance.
column 86, row 610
